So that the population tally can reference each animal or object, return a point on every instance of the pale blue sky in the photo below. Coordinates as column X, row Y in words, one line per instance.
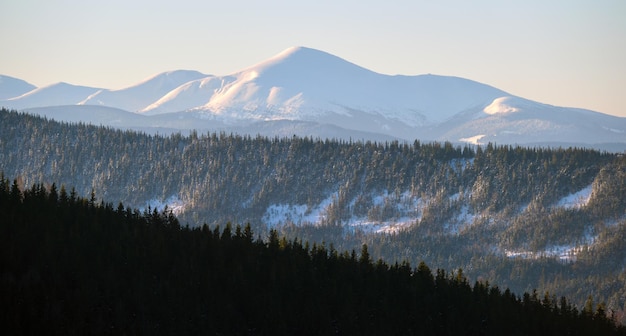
column 568, row 53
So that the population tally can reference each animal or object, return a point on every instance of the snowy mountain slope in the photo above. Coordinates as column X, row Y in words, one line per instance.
column 187, row 96
column 51, row 95
column 138, row 97
column 315, row 90
column 13, row 87
column 514, row 120
column 307, row 84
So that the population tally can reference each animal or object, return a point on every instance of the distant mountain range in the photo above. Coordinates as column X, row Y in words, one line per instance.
column 307, row 92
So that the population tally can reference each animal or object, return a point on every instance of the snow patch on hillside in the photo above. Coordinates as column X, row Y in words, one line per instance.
column 281, row 214
column 576, row 200
column 388, row 227
column 475, row 140
column 277, row 215
column 565, row 253
column 409, row 207
column 501, row 105
column 464, row 219
column 173, row 204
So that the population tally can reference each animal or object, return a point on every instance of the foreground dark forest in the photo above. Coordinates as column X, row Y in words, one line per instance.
column 72, row 266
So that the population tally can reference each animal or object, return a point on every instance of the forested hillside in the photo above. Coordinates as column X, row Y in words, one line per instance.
column 524, row 218
column 73, row 266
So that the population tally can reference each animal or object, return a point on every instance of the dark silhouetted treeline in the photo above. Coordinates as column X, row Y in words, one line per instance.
column 73, row 266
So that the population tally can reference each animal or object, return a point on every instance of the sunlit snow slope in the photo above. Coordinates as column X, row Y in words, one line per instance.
column 319, row 93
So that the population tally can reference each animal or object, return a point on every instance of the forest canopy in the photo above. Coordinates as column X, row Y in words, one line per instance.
column 551, row 219
column 71, row 265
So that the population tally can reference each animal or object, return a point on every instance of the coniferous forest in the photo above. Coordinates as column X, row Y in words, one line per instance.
column 497, row 213
column 75, row 266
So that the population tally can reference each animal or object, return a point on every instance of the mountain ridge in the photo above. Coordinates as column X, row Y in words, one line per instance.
column 13, row 87
column 305, row 84
column 135, row 97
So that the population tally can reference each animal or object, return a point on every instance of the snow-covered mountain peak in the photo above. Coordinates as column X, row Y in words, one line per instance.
column 294, row 50
column 304, row 63
column 295, row 54
column 265, row 91
column 305, row 86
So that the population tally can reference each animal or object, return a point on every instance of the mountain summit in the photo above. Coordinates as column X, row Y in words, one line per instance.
column 302, row 91
column 307, row 84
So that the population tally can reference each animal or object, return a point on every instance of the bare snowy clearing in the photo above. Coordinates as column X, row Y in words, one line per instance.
column 576, row 200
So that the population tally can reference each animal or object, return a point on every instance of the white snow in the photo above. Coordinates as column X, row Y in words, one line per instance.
column 411, row 207
column 173, row 203
column 280, row 214
column 187, row 96
column 299, row 214
column 475, row 140
column 566, row 252
column 561, row 252
column 576, row 200
column 462, row 221
column 388, row 227
column 501, row 105
column 319, row 83
column 139, row 96
column 303, row 84
column 51, row 95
